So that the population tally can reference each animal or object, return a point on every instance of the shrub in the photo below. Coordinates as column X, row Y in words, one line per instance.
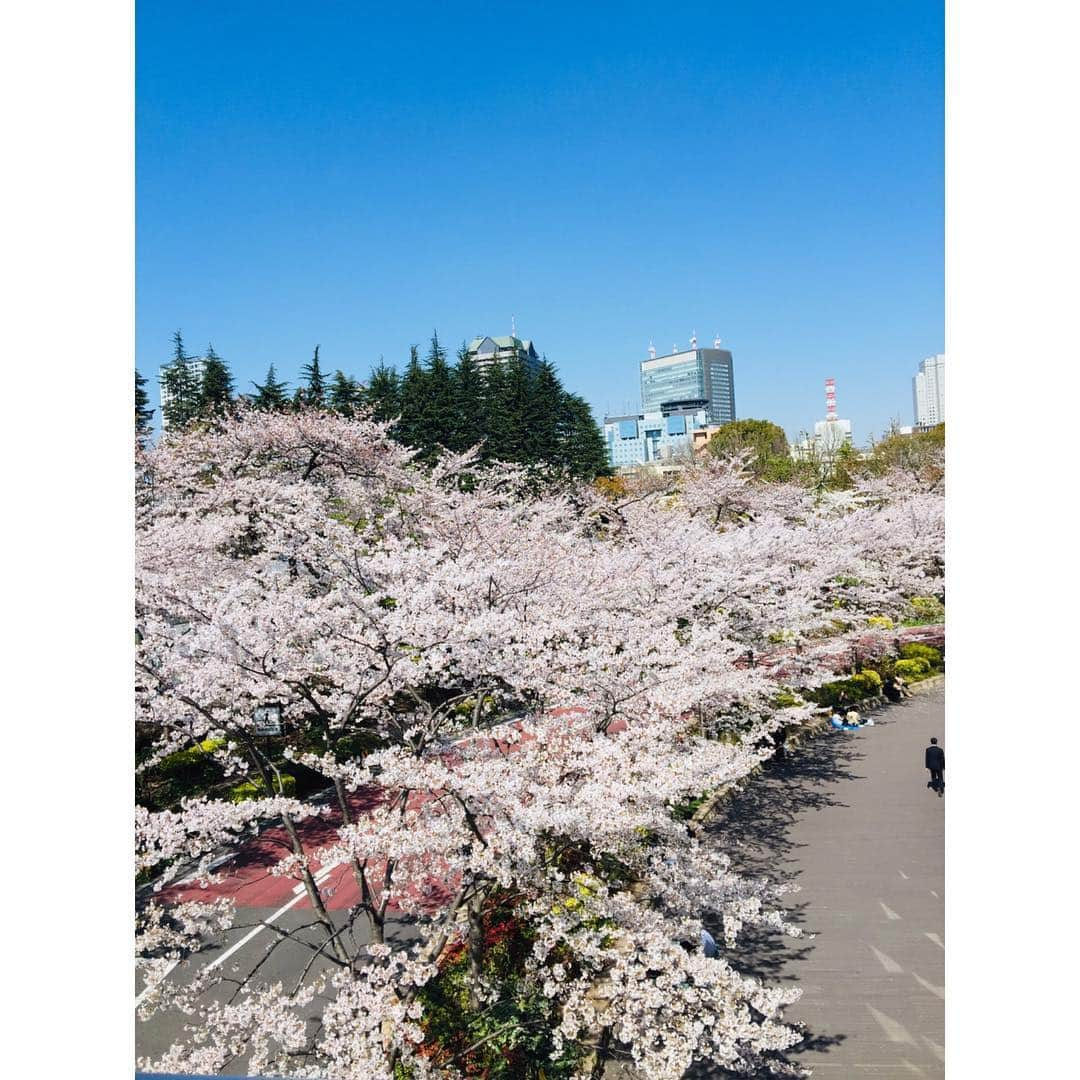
column 928, row 608
column 193, row 758
column 255, row 789
column 913, row 669
column 871, row 679
column 882, row 621
column 785, row 700
column 915, row 650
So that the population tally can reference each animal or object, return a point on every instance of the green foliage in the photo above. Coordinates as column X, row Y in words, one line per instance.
column 184, row 773
column 912, row 670
column 928, row 609
column 181, row 386
column 881, row 621
column 915, row 650
column 143, row 413
column 273, row 394
column 867, row 683
column 216, row 389
column 514, row 1032
column 314, row 392
column 256, row 789
column 770, row 460
column 345, row 394
column 785, row 700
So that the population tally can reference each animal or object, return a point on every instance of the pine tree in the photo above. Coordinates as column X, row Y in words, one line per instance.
column 410, row 428
column 584, row 454
column 467, row 385
column 315, row 391
column 143, row 414
column 545, row 405
column 344, row 395
column 383, row 393
column 181, row 387
column 516, row 400
column 216, row 392
column 497, row 424
column 437, row 418
column 272, row 395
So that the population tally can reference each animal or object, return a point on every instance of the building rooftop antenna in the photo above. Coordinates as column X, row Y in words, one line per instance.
column 693, row 340
column 716, row 341
column 652, row 350
column 513, row 326
column 830, row 399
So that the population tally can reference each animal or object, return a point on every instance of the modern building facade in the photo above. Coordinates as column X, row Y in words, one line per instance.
column 687, row 381
column 653, row 437
column 491, row 350
column 195, row 365
column 928, row 391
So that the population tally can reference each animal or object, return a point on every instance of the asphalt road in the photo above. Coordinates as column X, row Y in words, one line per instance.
column 850, row 820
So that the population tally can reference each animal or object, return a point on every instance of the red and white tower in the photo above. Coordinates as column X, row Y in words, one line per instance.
column 830, row 399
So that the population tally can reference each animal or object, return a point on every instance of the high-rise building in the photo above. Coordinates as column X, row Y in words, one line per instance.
column 195, row 365
column 690, row 380
column 928, row 391
column 489, row 350
column 831, row 435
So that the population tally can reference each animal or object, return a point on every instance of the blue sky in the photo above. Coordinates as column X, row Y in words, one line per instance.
column 355, row 176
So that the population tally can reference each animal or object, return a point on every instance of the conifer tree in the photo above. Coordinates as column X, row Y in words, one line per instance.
column 383, row 393
column 273, row 394
column 216, row 391
column 584, row 454
column 437, row 416
column 315, row 391
column 497, row 423
column 545, row 406
column 143, row 413
column 344, row 394
column 414, row 384
column 181, row 387
column 468, row 394
column 516, row 400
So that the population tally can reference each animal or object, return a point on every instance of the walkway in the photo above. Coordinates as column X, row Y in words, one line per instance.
column 850, row 820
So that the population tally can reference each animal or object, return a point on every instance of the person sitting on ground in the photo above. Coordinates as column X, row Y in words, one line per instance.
column 853, row 719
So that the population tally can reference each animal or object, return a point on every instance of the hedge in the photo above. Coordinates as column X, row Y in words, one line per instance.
column 254, row 789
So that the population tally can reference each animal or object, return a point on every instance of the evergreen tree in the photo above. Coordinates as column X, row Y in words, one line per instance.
column 383, row 393
column 516, row 403
column 143, row 414
column 273, row 395
column 467, row 385
column 315, row 391
column 216, row 392
column 496, row 422
column 414, row 384
column 181, row 387
column 545, row 406
column 437, row 416
column 584, row 454
column 344, row 395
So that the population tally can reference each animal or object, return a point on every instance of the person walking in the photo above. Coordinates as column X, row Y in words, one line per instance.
column 935, row 762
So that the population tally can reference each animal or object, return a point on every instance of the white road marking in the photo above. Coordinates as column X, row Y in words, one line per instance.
column 939, row 990
column 894, row 1030
column 934, row 894
column 911, row 1068
column 887, row 962
column 902, row 874
column 298, row 895
column 889, row 913
column 936, row 940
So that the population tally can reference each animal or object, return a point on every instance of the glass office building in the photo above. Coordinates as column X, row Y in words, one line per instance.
column 695, row 379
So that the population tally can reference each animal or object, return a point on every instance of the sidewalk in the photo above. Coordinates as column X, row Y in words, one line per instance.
column 850, row 820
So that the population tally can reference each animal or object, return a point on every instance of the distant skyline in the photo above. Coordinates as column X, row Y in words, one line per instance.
column 355, row 177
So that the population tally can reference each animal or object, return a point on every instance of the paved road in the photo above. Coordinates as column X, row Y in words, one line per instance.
column 850, row 820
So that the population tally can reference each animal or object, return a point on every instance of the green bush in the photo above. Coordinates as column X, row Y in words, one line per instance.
column 785, row 700
column 915, row 650
column 255, row 789
column 928, row 608
column 913, row 670
column 881, row 621
column 193, row 758
column 847, row 691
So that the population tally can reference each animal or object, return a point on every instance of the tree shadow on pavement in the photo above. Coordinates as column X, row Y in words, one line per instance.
column 754, row 828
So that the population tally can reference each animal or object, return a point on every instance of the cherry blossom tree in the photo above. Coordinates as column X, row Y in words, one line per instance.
column 521, row 683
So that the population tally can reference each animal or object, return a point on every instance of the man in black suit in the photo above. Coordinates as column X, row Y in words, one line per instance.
column 935, row 762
